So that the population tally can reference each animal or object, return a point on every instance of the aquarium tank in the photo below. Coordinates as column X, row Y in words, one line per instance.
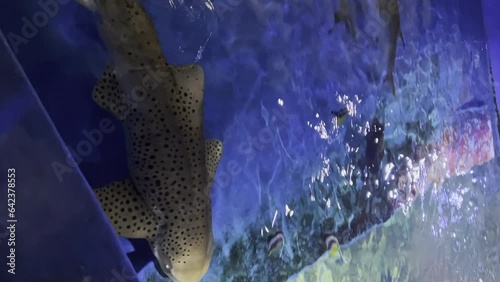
column 235, row 141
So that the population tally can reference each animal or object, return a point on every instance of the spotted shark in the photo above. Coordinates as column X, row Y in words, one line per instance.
column 166, row 198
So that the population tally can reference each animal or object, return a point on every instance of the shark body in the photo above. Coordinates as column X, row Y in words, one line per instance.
column 166, row 199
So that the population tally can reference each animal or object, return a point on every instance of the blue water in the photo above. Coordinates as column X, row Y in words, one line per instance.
column 274, row 72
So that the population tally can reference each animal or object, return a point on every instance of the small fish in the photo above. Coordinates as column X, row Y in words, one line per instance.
column 346, row 14
column 341, row 115
column 274, row 242
column 394, row 33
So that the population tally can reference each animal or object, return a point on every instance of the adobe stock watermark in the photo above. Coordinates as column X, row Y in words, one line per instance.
column 31, row 26
column 93, row 138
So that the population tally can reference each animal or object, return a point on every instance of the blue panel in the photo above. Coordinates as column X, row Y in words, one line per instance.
column 58, row 231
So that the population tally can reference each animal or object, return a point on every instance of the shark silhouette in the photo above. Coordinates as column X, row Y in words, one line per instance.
column 166, row 199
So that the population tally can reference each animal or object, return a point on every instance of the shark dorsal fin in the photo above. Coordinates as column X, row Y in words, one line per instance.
column 213, row 154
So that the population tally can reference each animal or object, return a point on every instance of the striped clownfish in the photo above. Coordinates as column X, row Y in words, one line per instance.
column 275, row 242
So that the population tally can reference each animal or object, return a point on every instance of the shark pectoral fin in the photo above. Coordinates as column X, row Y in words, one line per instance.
column 402, row 39
column 213, row 154
column 109, row 95
column 126, row 210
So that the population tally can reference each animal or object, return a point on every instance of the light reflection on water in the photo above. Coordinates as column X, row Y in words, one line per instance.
column 452, row 233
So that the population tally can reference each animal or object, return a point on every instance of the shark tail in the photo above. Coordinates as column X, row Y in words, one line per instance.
column 390, row 79
column 109, row 95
